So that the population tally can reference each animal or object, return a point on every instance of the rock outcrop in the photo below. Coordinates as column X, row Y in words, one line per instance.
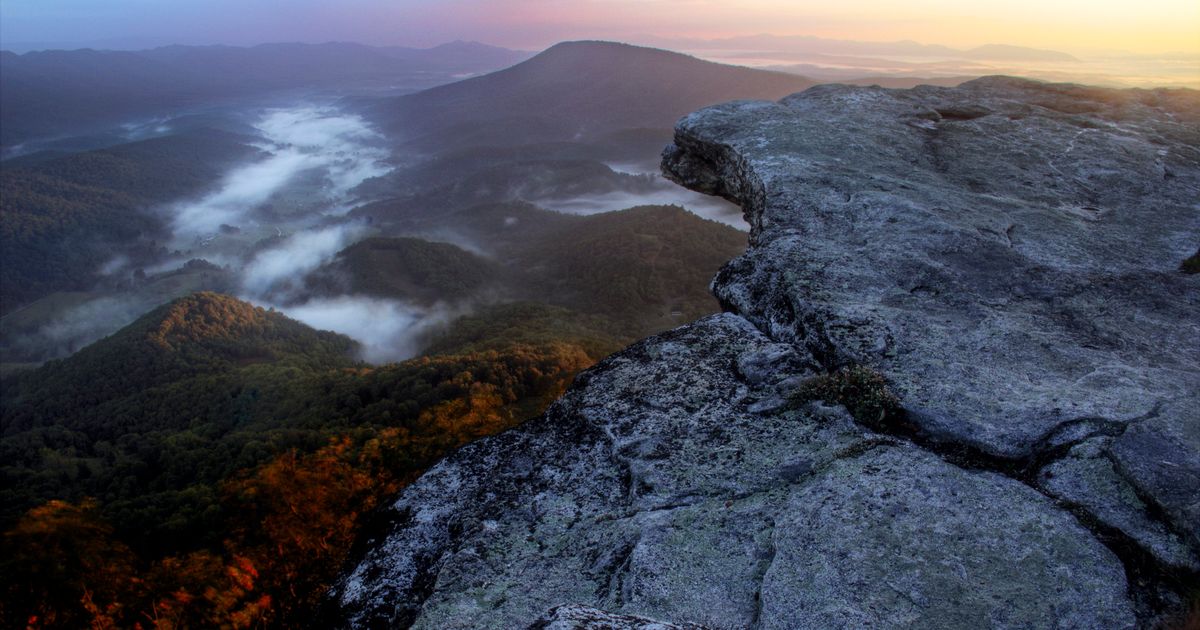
column 956, row 386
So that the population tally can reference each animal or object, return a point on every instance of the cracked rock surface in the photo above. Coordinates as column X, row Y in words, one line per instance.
column 659, row 487
column 576, row 617
column 1005, row 254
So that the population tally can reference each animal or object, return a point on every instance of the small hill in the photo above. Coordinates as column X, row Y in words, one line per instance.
column 156, row 420
column 640, row 270
column 598, row 281
column 578, row 89
column 406, row 268
column 205, row 333
column 646, row 268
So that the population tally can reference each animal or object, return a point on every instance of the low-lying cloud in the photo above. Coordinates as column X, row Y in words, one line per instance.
column 313, row 158
column 388, row 330
column 281, row 269
column 243, row 190
column 327, row 154
column 645, row 186
column 77, row 327
column 339, row 150
column 712, row 208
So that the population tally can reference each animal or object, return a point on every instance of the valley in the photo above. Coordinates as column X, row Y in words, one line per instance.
column 290, row 188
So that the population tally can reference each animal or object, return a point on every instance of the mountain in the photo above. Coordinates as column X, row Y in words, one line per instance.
column 56, row 92
column 575, row 90
column 203, row 334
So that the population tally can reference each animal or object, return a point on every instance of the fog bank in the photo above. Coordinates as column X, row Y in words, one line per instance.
column 320, row 151
column 388, row 330
column 281, row 269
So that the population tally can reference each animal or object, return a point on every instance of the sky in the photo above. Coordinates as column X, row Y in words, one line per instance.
column 1137, row 26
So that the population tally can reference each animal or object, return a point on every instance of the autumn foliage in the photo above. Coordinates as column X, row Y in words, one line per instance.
column 294, row 519
column 201, row 490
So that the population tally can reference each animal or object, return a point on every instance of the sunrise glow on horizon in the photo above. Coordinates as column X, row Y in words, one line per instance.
column 1075, row 26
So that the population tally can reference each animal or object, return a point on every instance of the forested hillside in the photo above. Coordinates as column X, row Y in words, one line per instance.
column 210, row 464
column 633, row 272
column 61, row 220
column 216, row 445
column 645, row 268
column 159, row 450
column 411, row 268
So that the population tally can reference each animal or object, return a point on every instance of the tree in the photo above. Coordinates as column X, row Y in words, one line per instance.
column 62, row 568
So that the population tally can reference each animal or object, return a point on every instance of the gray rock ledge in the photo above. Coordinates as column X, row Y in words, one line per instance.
column 1006, row 253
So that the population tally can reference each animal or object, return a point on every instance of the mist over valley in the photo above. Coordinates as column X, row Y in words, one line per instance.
column 290, row 187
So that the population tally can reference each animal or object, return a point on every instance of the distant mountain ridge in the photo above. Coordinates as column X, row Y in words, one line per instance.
column 51, row 92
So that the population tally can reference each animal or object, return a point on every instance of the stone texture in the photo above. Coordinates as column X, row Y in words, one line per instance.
column 1086, row 477
column 1009, row 272
column 897, row 538
column 1005, row 253
column 1160, row 457
column 659, row 487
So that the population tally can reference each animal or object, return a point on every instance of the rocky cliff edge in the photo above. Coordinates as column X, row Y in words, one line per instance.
column 956, row 385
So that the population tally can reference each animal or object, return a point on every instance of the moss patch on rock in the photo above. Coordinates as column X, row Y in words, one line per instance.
column 863, row 391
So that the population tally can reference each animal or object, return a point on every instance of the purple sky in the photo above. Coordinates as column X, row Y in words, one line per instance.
column 1072, row 25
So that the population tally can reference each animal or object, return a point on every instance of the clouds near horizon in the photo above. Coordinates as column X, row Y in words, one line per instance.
column 1144, row 27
